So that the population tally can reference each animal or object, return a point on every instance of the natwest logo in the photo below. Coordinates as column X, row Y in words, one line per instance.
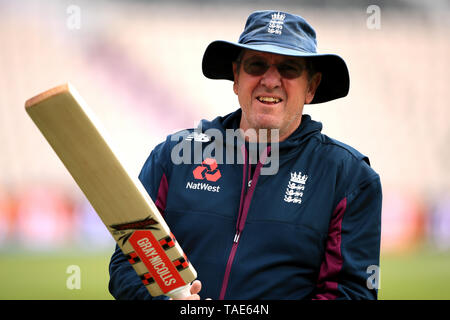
column 207, row 170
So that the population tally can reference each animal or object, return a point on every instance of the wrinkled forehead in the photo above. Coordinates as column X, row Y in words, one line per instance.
column 271, row 57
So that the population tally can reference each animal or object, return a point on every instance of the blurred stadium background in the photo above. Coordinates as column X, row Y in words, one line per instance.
column 138, row 65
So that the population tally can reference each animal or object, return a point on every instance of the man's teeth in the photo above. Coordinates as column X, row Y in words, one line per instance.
column 269, row 99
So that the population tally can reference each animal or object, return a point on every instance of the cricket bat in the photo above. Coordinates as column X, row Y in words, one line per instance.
column 119, row 199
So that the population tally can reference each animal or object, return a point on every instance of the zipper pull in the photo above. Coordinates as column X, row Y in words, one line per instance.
column 236, row 237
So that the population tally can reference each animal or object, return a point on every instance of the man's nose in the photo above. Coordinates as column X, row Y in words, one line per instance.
column 271, row 78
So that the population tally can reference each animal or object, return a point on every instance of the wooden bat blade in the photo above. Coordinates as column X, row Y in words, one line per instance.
column 120, row 200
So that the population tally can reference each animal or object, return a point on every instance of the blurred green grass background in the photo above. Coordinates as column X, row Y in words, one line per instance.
column 418, row 275
column 422, row 274
column 43, row 276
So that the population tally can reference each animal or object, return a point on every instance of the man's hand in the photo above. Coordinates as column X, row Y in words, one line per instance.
column 195, row 289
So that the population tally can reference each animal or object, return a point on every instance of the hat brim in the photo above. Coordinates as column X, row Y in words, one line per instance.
column 335, row 83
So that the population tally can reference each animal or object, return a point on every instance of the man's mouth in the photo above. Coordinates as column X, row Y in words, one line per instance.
column 268, row 100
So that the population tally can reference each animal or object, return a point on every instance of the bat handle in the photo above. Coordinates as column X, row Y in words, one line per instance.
column 181, row 292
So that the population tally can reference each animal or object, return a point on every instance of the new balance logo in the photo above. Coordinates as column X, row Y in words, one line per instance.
column 199, row 137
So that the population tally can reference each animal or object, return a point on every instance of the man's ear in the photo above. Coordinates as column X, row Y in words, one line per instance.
column 236, row 77
column 312, row 87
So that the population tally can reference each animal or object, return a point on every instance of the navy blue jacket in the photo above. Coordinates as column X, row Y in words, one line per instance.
column 310, row 231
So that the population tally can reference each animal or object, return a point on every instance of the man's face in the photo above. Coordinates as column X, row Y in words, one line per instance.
column 272, row 100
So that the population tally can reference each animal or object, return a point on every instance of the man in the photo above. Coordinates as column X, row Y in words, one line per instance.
column 310, row 228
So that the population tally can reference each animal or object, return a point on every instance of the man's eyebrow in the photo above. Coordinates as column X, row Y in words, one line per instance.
column 256, row 56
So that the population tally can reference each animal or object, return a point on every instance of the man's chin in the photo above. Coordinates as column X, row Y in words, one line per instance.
column 262, row 125
column 266, row 122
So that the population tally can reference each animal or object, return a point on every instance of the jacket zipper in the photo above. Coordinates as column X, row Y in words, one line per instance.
column 248, row 187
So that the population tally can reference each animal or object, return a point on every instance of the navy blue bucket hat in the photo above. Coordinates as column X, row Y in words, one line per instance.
column 281, row 33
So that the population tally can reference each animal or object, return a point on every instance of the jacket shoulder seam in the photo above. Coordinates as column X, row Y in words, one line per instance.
column 343, row 147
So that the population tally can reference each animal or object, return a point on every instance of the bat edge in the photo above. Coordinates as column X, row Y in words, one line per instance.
column 63, row 88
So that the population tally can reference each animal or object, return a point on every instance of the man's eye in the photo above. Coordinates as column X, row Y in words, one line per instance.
column 255, row 68
column 290, row 71
column 258, row 64
column 288, row 67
